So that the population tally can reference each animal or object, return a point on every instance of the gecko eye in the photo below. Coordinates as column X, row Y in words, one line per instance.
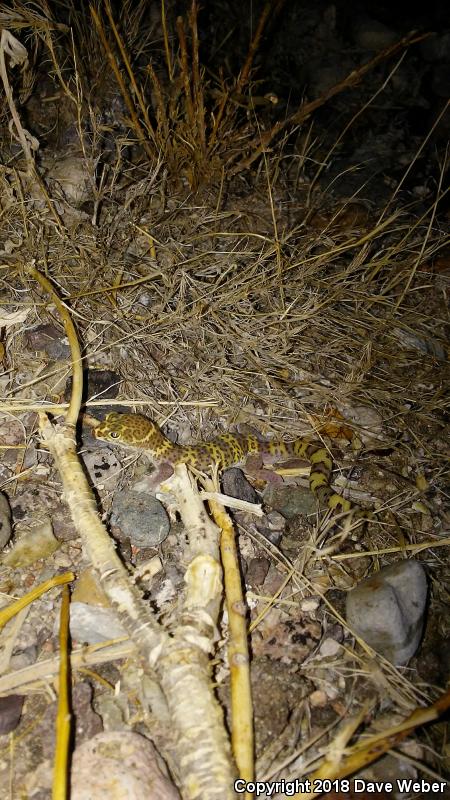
column 114, row 434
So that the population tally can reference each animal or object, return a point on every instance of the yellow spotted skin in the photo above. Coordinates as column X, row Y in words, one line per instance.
column 138, row 432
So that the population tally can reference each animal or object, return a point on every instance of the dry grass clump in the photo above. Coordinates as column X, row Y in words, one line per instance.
column 221, row 295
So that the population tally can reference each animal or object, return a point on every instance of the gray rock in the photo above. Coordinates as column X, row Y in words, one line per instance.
column 272, row 526
column 49, row 339
column 119, row 764
column 427, row 346
column 10, row 712
column 235, row 484
column 5, row 521
column 94, row 624
column 387, row 610
column 257, row 571
column 102, row 466
column 369, row 34
column 139, row 517
column 290, row 501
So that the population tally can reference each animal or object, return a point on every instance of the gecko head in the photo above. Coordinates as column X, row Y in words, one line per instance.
column 130, row 430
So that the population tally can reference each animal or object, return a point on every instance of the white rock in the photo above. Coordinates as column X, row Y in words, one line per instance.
column 94, row 624
column 119, row 766
column 387, row 610
column 329, row 648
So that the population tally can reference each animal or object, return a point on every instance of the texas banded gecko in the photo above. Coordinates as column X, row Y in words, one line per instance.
column 138, row 432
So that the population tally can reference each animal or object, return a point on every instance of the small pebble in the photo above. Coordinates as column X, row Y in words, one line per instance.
column 5, row 521
column 235, row 484
column 387, row 610
column 329, row 647
column 318, row 698
column 10, row 712
column 140, row 518
column 309, row 604
column 272, row 526
column 257, row 571
column 24, row 658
